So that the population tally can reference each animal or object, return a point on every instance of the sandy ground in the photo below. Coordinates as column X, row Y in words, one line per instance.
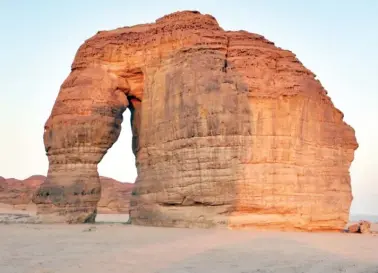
column 126, row 248
column 112, row 218
column 101, row 248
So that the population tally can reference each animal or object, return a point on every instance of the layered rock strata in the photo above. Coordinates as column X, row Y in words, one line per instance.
column 18, row 194
column 228, row 130
column 115, row 196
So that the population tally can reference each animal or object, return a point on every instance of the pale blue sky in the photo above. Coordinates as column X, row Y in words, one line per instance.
column 337, row 40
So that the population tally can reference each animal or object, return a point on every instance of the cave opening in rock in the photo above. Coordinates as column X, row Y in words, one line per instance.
column 119, row 161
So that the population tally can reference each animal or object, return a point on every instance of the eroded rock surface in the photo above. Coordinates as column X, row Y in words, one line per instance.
column 19, row 193
column 365, row 227
column 228, row 130
column 362, row 226
column 115, row 196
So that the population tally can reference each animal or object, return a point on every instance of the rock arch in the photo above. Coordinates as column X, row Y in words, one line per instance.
column 228, row 130
column 85, row 122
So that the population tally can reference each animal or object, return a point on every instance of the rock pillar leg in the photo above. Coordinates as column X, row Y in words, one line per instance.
column 84, row 123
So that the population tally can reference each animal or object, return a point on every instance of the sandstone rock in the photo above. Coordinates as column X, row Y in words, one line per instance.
column 364, row 227
column 228, row 130
column 355, row 228
column 360, row 227
column 115, row 197
column 19, row 193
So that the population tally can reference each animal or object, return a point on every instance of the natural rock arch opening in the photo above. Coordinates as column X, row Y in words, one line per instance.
column 119, row 161
column 85, row 122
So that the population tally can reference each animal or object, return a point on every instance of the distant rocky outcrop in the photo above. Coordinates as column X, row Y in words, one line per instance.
column 228, row 130
column 19, row 193
column 115, row 196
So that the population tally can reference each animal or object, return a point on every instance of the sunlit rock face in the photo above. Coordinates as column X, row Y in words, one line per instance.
column 228, row 130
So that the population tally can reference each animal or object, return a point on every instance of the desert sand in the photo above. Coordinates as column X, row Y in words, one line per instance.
column 105, row 247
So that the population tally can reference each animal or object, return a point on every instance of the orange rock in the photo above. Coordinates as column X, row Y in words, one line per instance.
column 228, row 130
column 364, row 227
column 115, row 197
column 19, row 192
column 360, row 227
column 355, row 228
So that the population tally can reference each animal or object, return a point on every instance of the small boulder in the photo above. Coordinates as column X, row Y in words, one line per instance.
column 364, row 227
column 361, row 227
column 355, row 228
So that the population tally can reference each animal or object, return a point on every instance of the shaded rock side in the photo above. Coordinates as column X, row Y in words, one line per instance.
column 115, row 196
column 228, row 130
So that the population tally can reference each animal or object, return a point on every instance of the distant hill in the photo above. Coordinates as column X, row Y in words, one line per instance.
column 115, row 195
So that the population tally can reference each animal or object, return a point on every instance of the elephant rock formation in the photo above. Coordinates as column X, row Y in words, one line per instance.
column 228, row 130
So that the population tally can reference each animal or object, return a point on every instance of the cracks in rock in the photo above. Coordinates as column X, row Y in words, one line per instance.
column 225, row 65
column 131, row 107
column 134, row 123
column 191, row 204
column 187, row 201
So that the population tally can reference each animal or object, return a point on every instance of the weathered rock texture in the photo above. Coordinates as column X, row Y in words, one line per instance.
column 229, row 130
column 360, row 227
column 19, row 193
column 115, row 196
